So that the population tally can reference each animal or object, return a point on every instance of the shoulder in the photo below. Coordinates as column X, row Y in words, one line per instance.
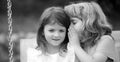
column 33, row 55
column 106, row 37
column 106, row 40
column 33, row 52
column 106, row 46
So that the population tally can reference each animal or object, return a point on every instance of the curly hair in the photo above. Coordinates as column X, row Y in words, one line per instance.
column 95, row 22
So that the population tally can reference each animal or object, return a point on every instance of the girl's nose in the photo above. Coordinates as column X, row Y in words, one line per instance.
column 56, row 34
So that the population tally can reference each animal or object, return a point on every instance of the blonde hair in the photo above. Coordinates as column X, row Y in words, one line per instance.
column 94, row 21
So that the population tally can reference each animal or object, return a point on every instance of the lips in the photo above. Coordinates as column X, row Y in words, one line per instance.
column 56, row 39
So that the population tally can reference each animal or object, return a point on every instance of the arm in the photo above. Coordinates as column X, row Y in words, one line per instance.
column 85, row 57
column 82, row 55
column 106, row 43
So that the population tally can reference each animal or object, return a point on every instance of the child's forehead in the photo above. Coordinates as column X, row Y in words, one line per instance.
column 55, row 25
column 53, row 22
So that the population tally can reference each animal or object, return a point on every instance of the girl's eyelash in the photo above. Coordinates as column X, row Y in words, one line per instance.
column 59, row 30
column 51, row 30
column 62, row 31
column 74, row 22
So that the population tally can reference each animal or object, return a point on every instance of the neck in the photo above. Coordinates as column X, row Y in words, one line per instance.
column 52, row 49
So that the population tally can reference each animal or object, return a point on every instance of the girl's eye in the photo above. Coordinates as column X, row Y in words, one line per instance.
column 62, row 30
column 74, row 22
column 52, row 30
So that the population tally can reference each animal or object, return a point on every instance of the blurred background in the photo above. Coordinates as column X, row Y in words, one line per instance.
column 26, row 13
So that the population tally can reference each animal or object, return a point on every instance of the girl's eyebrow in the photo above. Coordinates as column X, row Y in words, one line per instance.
column 63, row 28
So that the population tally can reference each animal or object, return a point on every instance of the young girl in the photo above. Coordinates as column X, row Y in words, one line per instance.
column 90, row 33
column 52, row 38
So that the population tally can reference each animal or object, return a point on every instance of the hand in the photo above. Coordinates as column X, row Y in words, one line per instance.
column 73, row 36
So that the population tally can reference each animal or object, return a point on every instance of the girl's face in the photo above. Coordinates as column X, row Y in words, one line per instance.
column 77, row 23
column 54, row 34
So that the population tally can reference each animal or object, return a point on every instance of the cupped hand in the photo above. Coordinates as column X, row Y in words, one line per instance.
column 73, row 36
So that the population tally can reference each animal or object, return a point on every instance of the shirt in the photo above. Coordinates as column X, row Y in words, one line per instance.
column 34, row 55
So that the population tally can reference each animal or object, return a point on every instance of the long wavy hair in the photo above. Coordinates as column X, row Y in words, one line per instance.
column 52, row 15
column 95, row 23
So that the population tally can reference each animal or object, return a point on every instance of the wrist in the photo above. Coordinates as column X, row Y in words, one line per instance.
column 76, row 46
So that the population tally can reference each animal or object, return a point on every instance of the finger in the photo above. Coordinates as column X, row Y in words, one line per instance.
column 72, row 29
column 70, row 32
column 69, row 35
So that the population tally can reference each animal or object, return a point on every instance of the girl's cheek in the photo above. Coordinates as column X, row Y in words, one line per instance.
column 78, row 26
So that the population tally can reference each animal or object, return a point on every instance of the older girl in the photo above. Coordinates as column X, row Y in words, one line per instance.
column 90, row 33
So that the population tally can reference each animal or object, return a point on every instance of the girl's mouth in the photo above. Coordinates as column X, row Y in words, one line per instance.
column 56, row 39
